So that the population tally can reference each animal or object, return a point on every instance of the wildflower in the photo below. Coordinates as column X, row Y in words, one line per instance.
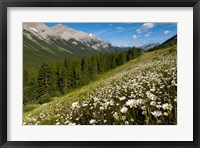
column 122, row 98
column 126, row 122
column 144, row 112
column 58, row 123
column 158, row 106
column 153, row 103
column 124, row 109
column 165, row 114
column 84, row 104
column 132, row 103
column 156, row 113
column 72, row 124
column 116, row 116
column 167, row 106
column 101, row 108
column 144, row 107
column 123, row 118
column 96, row 99
column 74, row 105
column 173, row 83
column 111, row 102
column 159, row 103
column 140, row 101
column 153, row 89
column 92, row 121
column 67, row 122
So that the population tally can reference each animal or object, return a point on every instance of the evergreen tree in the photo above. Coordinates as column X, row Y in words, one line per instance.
column 77, row 74
column 60, row 77
column 85, row 70
column 44, row 82
column 93, row 68
column 113, row 63
column 122, row 58
column 30, row 87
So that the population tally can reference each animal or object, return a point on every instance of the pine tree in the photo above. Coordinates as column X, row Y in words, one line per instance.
column 30, row 87
column 93, row 68
column 77, row 74
column 122, row 58
column 85, row 71
column 44, row 79
column 113, row 63
column 60, row 77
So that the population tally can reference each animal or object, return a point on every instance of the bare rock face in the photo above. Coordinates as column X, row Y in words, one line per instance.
column 63, row 32
column 39, row 28
column 68, row 33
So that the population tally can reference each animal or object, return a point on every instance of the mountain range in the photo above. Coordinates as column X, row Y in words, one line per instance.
column 41, row 43
column 149, row 46
column 168, row 43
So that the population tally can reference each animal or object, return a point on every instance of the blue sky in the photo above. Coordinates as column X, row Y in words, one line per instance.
column 127, row 34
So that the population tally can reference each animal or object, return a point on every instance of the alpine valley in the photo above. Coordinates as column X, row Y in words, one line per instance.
column 41, row 43
column 74, row 78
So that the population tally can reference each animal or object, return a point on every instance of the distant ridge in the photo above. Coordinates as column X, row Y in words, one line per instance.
column 171, row 41
column 149, row 46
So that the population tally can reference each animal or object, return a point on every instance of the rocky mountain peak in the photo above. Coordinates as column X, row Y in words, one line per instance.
column 39, row 28
column 65, row 33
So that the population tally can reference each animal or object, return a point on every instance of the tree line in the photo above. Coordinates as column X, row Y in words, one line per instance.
column 53, row 79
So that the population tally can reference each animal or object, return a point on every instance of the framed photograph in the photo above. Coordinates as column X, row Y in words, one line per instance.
column 110, row 73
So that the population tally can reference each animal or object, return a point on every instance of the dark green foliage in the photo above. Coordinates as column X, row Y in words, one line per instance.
column 93, row 68
column 30, row 85
column 52, row 79
column 85, row 71
column 77, row 74
column 121, row 58
column 46, row 98
column 44, row 80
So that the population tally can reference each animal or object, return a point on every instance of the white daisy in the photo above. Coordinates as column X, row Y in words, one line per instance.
column 124, row 109
column 156, row 113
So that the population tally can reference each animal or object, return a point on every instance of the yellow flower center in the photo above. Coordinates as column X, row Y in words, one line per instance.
column 132, row 104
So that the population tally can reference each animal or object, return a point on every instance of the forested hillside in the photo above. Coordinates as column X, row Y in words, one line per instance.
column 52, row 79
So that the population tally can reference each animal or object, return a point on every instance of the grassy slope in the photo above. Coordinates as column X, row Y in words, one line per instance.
column 75, row 95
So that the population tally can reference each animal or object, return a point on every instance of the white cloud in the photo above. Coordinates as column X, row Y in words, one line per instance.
column 120, row 29
column 134, row 37
column 148, row 34
column 166, row 32
column 145, row 27
column 91, row 34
